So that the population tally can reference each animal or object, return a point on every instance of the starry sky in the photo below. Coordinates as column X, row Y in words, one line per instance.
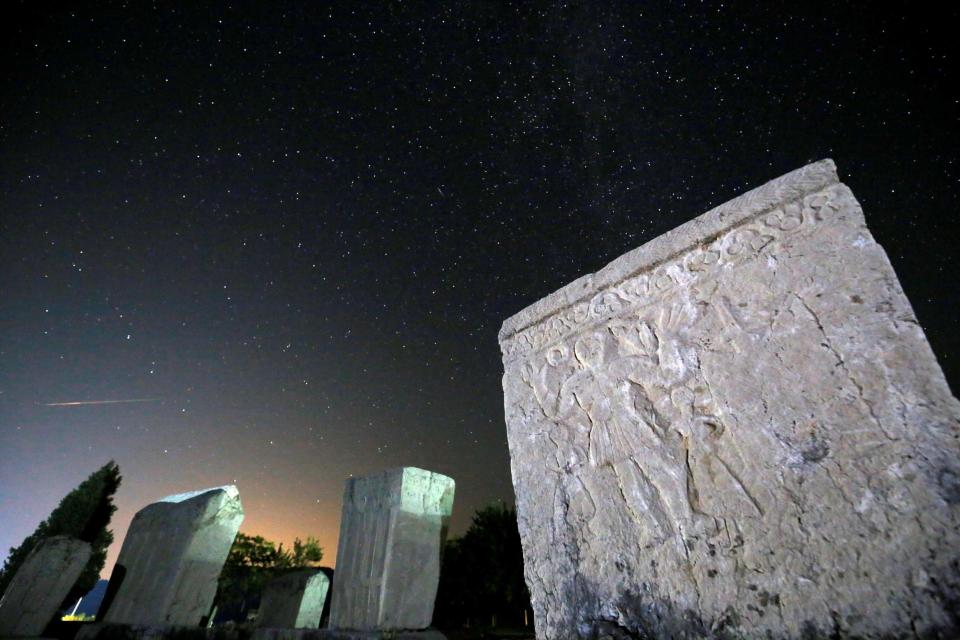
column 292, row 231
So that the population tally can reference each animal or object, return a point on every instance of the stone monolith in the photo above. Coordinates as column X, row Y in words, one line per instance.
column 294, row 600
column 737, row 429
column 171, row 558
column 41, row 584
column 392, row 530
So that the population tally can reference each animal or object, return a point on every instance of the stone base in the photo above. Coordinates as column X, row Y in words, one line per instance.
column 341, row 634
column 108, row 631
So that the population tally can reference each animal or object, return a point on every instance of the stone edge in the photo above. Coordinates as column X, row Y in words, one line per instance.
column 796, row 184
column 399, row 475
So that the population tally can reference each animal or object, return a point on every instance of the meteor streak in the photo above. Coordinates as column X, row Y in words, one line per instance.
column 79, row 403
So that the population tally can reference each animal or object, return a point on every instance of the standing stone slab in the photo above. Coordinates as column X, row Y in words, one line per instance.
column 738, row 428
column 294, row 600
column 172, row 556
column 392, row 530
column 40, row 585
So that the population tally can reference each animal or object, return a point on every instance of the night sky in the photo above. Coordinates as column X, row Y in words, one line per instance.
column 292, row 232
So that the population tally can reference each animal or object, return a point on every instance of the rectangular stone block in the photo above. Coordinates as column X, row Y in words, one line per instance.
column 392, row 532
column 294, row 600
column 738, row 428
column 40, row 585
column 171, row 558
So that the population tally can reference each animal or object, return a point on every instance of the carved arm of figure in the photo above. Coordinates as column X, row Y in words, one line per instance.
column 535, row 378
column 572, row 396
column 553, row 384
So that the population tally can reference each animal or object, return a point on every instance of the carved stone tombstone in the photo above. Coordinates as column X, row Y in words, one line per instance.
column 40, row 585
column 294, row 600
column 737, row 427
column 392, row 531
column 171, row 558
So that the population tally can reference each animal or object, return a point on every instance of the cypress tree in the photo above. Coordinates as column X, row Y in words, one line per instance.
column 84, row 513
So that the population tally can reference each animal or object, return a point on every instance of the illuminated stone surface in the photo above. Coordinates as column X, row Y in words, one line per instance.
column 294, row 600
column 41, row 583
column 737, row 427
column 392, row 530
column 172, row 556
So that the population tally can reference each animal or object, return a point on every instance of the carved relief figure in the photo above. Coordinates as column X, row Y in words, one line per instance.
column 635, row 388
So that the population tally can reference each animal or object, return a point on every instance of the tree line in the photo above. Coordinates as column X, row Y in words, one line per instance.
column 481, row 578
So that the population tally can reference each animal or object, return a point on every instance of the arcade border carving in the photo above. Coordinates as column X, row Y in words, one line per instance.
column 731, row 246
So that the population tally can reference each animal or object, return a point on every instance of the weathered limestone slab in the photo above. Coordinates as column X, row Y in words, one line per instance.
column 392, row 531
column 738, row 428
column 294, row 600
column 40, row 585
column 171, row 558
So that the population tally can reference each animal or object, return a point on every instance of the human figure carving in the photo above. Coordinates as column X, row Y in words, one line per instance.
column 682, row 399
column 636, row 389
column 628, row 441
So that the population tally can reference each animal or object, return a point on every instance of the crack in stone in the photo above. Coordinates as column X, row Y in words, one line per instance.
column 741, row 485
column 843, row 366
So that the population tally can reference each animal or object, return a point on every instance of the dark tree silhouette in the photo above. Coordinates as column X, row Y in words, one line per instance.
column 481, row 579
column 253, row 561
column 83, row 513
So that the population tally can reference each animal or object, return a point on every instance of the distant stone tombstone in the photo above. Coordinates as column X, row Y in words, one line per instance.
column 737, row 428
column 294, row 600
column 171, row 558
column 40, row 585
column 392, row 530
